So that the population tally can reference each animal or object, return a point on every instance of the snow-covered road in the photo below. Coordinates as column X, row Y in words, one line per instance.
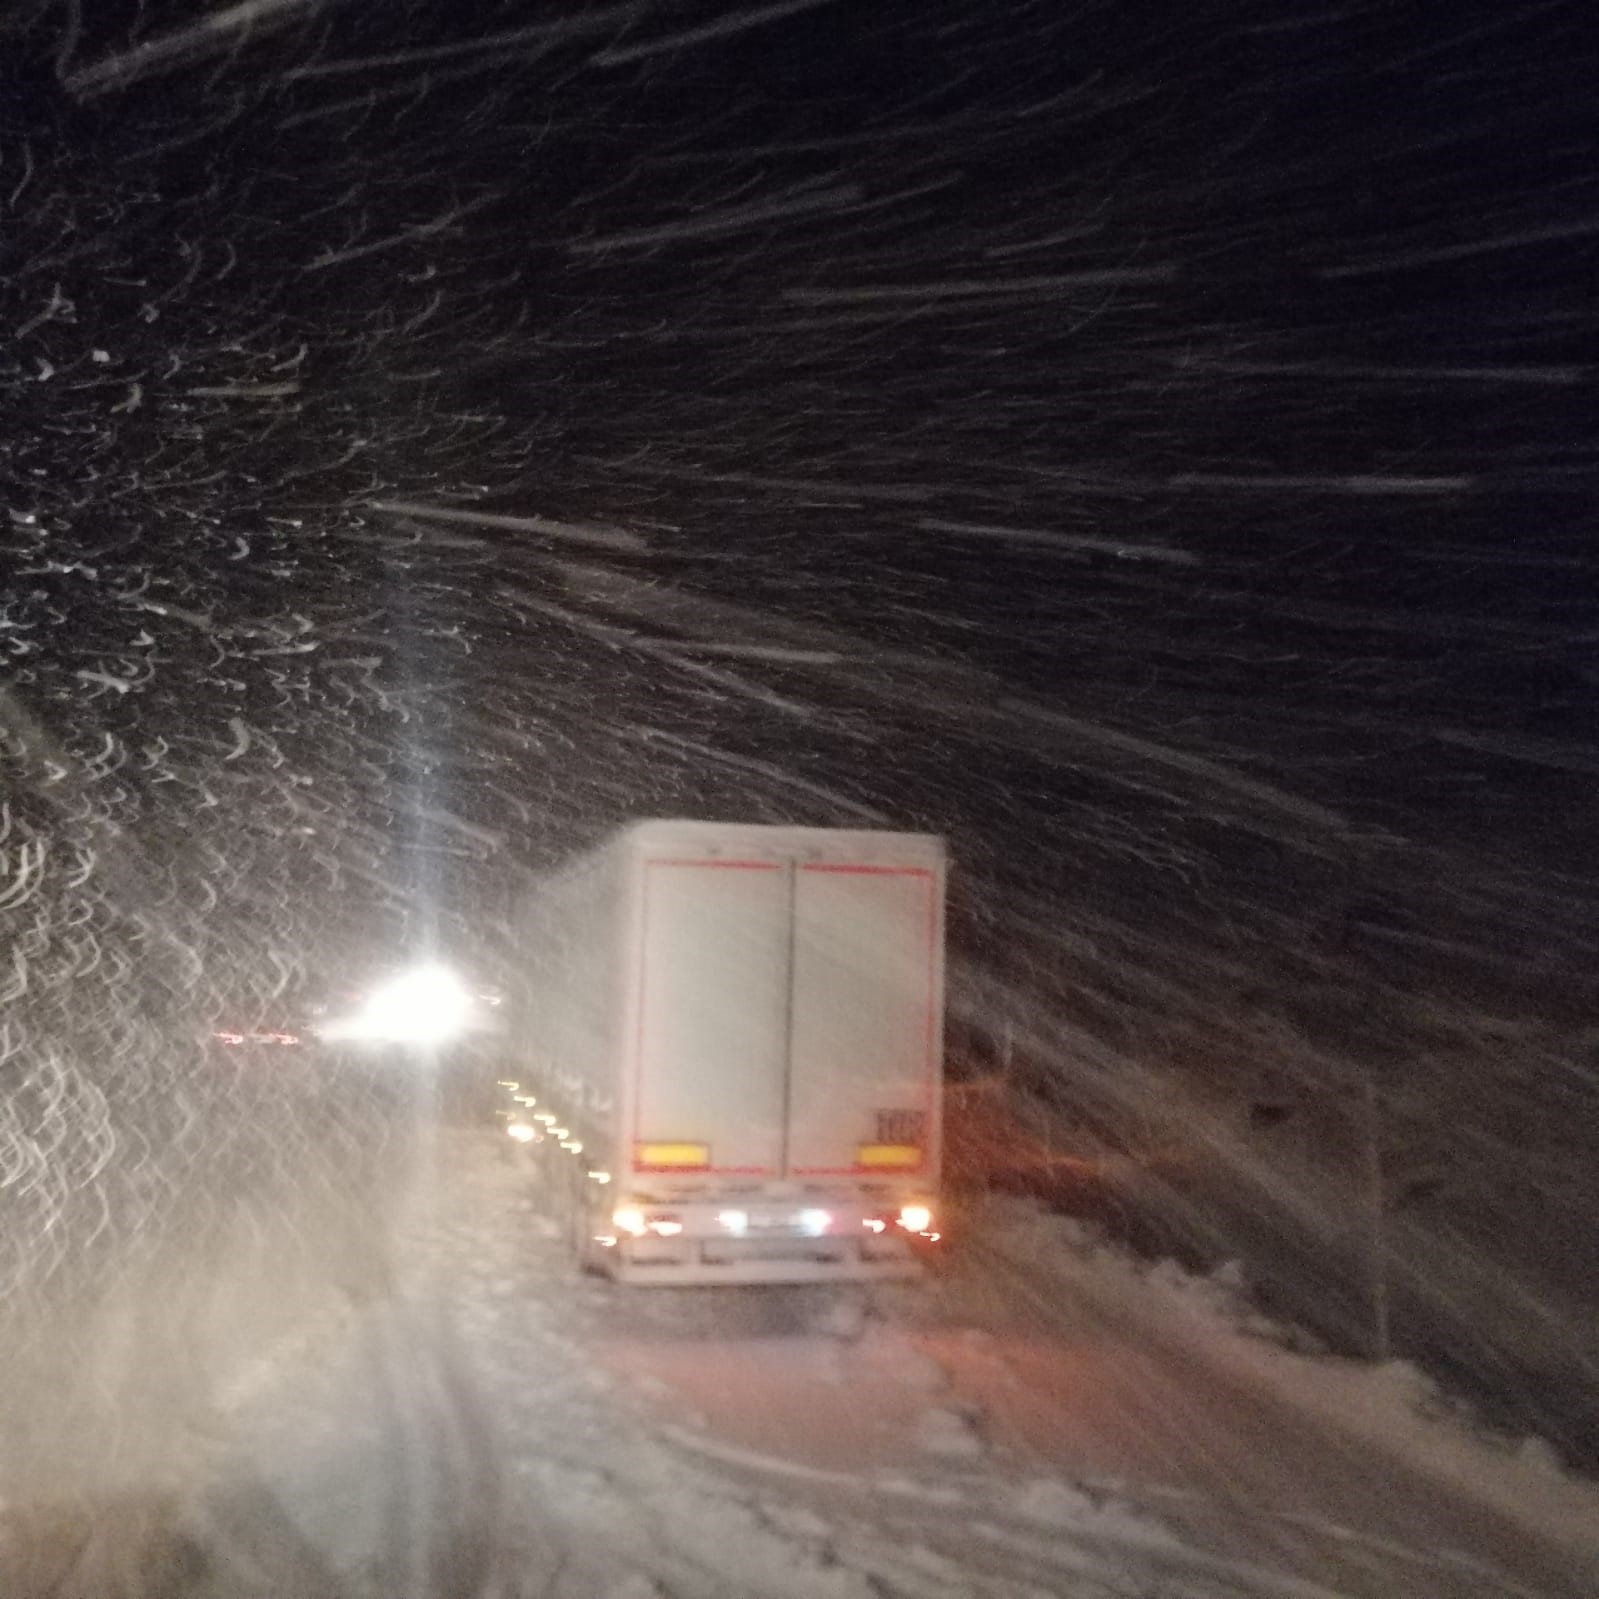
column 1045, row 1419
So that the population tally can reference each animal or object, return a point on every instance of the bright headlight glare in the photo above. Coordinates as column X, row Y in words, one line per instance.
column 916, row 1218
column 428, row 1005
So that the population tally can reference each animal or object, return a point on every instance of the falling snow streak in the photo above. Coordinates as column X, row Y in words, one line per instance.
column 1152, row 446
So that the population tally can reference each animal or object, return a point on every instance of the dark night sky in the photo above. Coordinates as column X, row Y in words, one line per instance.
column 1152, row 444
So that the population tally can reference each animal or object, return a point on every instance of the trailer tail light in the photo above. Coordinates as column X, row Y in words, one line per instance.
column 671, row 1157
column 889, row 1157
column 636, row 1222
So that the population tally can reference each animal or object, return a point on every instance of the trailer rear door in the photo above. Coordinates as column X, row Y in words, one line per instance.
column 866, row 1020
column 711, row 1056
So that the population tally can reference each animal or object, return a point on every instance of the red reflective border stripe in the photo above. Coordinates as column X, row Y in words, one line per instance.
column 857, row 1171
column 709, row 1171
column 732, row 866
column 867, row 871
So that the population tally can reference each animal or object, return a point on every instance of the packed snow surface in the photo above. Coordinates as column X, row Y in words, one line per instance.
column 1046, row 1416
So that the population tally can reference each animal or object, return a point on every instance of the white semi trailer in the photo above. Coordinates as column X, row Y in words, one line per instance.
column 726, row 1045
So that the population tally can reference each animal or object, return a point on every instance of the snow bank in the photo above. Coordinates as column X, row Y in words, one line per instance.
column 1395, row 1408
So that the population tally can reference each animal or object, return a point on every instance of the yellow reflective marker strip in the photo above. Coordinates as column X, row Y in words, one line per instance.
column 672, row 1155
column 888, row 1155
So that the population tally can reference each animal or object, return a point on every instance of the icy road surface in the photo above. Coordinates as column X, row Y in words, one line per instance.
column 1046, row 1419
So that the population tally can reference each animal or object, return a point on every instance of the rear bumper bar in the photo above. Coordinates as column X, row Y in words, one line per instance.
column 811, row 1236
column 694, row 1262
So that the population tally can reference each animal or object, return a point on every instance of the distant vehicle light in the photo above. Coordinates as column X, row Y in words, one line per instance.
column 629, row 1219
column 735, row 1221
column 599, row 1177
column 572, row 1145
column 666, row 1227
column 815, row 1222
column 522, row 1133
column 427, row 1006
column 606, row 1240
column 916, row 1218
column 874, row 1224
